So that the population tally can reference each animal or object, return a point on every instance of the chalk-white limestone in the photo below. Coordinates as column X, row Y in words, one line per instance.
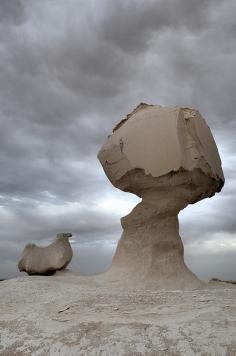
column 47, row 260
column 168, row 157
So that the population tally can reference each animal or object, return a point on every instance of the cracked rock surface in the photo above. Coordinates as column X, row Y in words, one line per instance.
column 68, row 315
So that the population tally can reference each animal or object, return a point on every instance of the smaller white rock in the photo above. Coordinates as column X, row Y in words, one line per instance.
column 49, row 259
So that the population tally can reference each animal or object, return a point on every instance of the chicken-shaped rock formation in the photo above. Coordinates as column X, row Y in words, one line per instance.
column 168, row 157
column 47, row 260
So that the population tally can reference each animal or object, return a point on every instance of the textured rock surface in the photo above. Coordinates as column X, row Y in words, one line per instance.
column 71, row 315
column 47, row 260
column 168, row 157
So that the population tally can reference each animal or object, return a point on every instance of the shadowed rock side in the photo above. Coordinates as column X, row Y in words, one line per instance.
column 47, row 260
column 168, row 157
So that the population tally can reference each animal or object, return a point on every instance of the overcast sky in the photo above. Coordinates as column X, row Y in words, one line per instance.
column 69, row 71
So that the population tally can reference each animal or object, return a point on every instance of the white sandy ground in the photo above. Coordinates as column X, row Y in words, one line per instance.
column 70, row 315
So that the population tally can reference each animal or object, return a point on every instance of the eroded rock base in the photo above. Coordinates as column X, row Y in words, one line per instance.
column 150, row 253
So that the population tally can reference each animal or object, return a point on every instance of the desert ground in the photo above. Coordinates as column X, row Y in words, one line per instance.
column 66, row 314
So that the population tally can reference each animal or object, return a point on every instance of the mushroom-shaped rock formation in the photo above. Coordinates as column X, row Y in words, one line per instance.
column 47, row 260
column 168, row 157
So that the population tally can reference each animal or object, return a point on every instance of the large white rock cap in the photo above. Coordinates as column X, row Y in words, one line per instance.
column 159, row 141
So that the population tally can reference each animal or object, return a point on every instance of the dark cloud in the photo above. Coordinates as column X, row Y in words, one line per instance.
column 130, row 24
column 12, row 12
column 69, row 71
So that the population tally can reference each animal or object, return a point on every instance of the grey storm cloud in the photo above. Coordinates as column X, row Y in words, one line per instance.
column 12, row 12
column 69, row 71
column 130, row 24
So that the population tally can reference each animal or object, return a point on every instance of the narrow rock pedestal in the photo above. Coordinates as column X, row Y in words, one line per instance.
column 150, row 252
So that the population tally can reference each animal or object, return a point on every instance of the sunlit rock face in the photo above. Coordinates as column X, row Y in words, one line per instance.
column 47, row 260
column 168, row 157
